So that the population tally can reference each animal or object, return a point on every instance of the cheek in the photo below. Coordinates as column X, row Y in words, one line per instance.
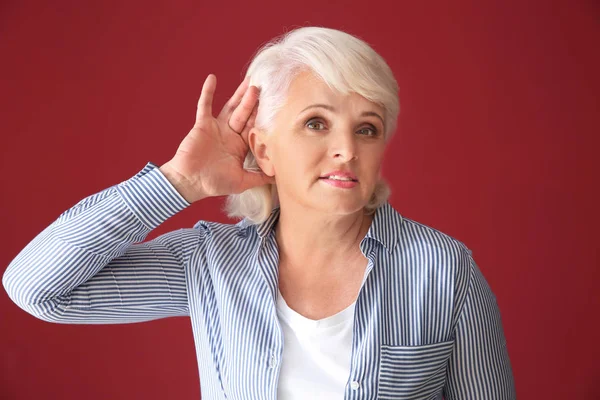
column 298, row 157
column 373, row 161
column 289, row 163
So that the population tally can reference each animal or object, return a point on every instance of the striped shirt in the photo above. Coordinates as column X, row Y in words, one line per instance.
column 426, row 322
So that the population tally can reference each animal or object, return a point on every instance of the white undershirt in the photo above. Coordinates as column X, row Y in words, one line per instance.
column 316, row 354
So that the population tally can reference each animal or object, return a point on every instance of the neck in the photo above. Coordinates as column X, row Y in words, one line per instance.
column 308, row 240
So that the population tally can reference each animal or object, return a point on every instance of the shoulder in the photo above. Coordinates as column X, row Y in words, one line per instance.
column 400, row 234
column 415, row 234
column 431, row 251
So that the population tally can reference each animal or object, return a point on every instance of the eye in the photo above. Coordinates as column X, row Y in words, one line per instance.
column 368, row 131
column 315, row 124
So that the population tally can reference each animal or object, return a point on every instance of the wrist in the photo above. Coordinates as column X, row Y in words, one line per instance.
column 181, row 183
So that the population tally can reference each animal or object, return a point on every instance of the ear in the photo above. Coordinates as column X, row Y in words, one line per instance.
column 259, row 145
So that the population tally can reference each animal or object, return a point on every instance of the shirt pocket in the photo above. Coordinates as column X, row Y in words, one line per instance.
column 413, row 372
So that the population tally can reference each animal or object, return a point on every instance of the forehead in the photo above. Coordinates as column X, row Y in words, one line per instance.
column 308, row 88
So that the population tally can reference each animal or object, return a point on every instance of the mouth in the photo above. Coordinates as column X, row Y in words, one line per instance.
column 339, row 182
column 338, row 178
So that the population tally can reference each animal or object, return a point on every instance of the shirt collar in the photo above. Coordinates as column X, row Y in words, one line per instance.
column 385, row 227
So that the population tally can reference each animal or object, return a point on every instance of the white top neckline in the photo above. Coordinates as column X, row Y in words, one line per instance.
column 298, row 321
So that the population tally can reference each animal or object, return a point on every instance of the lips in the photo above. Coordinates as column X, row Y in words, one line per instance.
column 341, row 175
column 330, row 178
column 340, row 183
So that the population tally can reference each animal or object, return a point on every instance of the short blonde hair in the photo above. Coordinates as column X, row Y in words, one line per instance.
column 346, row 64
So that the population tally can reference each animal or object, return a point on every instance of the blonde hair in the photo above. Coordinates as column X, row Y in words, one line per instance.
column 346, row 64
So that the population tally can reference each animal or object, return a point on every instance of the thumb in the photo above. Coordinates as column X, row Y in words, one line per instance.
column 252, row 179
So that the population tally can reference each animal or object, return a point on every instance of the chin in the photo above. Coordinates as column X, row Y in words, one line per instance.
column 341, row 206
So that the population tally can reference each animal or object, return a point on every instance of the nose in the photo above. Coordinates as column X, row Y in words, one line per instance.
column 343, row 146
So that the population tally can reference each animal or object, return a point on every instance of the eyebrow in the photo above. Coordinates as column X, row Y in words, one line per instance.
column 332, row 109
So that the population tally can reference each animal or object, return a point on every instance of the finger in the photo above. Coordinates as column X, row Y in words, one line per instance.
column 206, row 97
column 242, row 112
column 233, row 102
column 250, row 123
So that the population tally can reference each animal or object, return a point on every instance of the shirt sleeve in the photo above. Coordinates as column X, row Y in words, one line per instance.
column 91, row 267
column 479, row 367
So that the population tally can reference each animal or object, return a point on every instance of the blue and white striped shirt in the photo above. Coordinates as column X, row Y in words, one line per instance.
column 426, row 322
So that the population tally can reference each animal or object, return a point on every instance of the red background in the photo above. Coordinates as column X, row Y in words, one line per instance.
column 497, row 146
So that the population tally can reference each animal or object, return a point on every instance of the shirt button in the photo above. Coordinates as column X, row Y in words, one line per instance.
column 354, row 385
column 272, row 362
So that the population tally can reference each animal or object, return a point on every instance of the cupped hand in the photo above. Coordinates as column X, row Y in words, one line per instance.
column 209, row 161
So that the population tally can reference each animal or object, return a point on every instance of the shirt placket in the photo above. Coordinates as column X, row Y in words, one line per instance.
column 361, row 386
column 268, row 259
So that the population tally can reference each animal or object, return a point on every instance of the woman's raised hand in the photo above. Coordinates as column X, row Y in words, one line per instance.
column 209, row 161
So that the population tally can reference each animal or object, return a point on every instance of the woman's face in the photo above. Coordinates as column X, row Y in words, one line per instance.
column 319, row 132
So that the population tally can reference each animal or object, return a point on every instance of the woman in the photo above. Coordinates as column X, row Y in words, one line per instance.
column 323, row 290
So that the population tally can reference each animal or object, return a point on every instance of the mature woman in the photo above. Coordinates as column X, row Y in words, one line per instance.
column 323, row 290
